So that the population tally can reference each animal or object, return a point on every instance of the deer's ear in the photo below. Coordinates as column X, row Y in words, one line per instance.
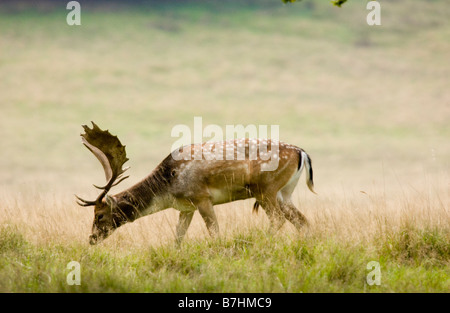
column 111, row 201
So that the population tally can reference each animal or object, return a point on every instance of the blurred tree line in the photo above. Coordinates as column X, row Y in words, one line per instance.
column 216, row 4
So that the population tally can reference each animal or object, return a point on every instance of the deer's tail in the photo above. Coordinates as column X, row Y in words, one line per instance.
column 306, row 161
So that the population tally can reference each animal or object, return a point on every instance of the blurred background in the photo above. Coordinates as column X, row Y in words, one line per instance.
column 370, row 104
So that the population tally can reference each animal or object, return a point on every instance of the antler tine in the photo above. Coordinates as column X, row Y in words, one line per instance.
column 115, row 184
column 114, row 179
column 112, row 182
column 120, row 180
column 83, row 202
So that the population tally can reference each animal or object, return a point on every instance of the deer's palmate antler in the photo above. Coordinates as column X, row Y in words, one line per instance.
column 111, row 154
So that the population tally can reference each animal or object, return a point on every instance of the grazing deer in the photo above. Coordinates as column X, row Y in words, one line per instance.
column 189, row 185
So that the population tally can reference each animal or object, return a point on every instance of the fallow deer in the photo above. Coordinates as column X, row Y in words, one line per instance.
column 189, row 184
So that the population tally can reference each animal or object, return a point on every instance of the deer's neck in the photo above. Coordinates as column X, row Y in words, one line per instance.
column 146, row 197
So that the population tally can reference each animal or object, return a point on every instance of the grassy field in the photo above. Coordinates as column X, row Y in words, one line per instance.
column 371, row 105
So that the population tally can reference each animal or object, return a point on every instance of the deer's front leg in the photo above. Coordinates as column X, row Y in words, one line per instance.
column 206, row 210
column 183, row 225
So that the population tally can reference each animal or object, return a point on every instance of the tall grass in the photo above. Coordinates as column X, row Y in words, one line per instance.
column 409, row 237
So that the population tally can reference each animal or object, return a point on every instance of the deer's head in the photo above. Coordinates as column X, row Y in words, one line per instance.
column 111, row 154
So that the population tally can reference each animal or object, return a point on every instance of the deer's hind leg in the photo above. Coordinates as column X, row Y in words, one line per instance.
column 269, row 203
column 293, row 215
column 290, row 212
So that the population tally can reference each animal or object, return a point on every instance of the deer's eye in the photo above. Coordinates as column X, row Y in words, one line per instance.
column 99, row 217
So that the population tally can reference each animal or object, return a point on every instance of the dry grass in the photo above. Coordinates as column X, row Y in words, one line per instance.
column 408, row 234
column 359, row 217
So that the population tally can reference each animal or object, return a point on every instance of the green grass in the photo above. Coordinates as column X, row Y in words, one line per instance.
column 248, row 262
